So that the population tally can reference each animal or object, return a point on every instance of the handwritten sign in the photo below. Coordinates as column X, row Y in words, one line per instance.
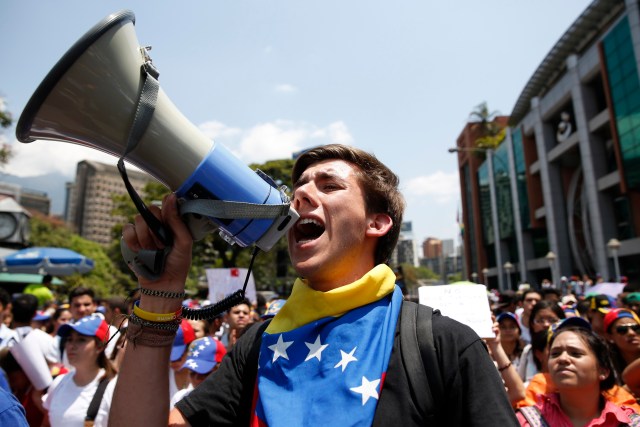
column 467, row 304
column 225, row 281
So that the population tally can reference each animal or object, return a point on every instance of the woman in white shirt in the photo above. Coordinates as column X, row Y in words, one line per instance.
column 70, row 395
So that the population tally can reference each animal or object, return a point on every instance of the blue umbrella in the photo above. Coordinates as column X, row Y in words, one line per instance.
column 54, row 261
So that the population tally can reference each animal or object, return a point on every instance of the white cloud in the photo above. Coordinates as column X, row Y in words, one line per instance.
column 42, row 157
column 264, row 141
column 215, row 129
column 277, row 139
column 440, row 186
column 285, row 88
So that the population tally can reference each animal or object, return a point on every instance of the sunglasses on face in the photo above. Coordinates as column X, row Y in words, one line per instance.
column 624, row 329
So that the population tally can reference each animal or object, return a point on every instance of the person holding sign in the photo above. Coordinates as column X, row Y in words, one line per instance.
column 323, row 356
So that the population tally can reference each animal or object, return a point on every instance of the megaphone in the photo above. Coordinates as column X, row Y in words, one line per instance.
column 95, row 96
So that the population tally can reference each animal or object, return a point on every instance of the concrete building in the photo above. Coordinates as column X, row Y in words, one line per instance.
column 432, row 248
column 89, row 205
column 405, row 251
column 565, row 179
column 32, row 200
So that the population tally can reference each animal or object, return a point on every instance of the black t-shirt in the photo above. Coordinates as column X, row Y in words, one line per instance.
column 474, row 392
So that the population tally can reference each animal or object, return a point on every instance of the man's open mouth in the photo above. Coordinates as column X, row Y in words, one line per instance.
column 307, row 229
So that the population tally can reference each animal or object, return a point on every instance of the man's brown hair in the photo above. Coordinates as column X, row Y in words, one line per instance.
column 379, row 186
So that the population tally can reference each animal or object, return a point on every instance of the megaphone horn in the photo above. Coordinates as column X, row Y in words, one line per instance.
column 96, row 96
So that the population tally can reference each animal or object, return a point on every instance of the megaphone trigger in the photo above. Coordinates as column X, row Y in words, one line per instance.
column 146, row 263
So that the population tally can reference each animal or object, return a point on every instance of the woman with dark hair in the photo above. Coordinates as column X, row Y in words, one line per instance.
column 581, row 369
column 543, row 315
column 70, row 395
column 622, row 330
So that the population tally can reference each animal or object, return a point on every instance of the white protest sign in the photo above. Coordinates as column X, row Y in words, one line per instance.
column 225, row 281
column 467, row 304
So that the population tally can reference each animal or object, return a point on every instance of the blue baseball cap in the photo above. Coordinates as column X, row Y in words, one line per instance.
column 273, row 308
column 204, row 354
column 509, row 315
column 184, row 337
column 41, row 316
column 93, row 326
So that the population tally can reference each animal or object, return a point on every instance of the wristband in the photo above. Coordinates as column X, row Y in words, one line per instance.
column 163, row 294
column 504, row 367
column 156, row 317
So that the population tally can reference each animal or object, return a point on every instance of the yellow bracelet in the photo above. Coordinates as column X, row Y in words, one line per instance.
column 156, row 317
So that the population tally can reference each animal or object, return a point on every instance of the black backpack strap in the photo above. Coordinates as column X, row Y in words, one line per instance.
column 92, row 412
column 254, row 356
column 419, row 352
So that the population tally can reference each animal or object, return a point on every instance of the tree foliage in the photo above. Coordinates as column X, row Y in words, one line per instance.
column 6, row 119
column 492, row 133
column 106, row 278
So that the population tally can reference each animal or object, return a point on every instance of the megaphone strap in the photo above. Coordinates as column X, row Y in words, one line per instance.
column 232, row 210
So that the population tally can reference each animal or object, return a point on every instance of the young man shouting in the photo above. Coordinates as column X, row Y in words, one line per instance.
column 331, row 354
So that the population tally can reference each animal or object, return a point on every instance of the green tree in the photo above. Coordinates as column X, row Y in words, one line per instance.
column 6, row 120
column 492, row 133
column 106, row 278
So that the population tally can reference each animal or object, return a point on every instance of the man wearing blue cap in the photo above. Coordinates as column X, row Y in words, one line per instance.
column 202, row 359
column 179, row 376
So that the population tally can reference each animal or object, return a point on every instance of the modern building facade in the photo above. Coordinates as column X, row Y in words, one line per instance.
column 565, row 180
column 89, row 205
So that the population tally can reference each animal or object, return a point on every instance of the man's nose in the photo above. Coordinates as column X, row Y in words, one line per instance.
column 305, row 194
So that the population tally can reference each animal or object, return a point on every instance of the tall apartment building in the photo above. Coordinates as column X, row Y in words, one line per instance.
column 405, row 251
column 89, row 205
column 565, row 180
column 432, row 248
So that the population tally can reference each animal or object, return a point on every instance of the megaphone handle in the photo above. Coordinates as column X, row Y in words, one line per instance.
column 146, row 263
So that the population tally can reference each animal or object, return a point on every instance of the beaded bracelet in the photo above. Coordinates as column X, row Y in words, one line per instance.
column 163, row 294
column 156, row 317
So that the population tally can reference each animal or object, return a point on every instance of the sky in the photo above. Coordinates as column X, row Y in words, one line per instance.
column 269, row 78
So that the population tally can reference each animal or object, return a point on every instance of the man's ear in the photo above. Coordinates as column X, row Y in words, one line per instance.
column 379, row 224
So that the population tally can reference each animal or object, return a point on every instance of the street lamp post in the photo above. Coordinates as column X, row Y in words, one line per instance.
column 485, row 276
column 614, row 246
column 494, row 206
column 551, row 257
column 507, row 268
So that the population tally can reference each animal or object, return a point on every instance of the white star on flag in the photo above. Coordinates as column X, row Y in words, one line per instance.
column 346, row 359
column 367, row 389
column 315, row 349
column 195, row 353
column 280, row 348
column 200, row 347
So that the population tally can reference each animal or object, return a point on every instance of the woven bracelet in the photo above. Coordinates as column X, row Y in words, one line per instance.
column 163, row 294
column 149, row 337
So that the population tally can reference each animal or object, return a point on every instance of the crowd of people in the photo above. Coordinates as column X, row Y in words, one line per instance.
column 81, row 341
column 569, row 359
column 345, row 348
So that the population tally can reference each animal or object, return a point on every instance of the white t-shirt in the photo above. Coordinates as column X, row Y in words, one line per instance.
column 102, row 419
column 67, row 403
column 177, row 397
column 7, row 335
